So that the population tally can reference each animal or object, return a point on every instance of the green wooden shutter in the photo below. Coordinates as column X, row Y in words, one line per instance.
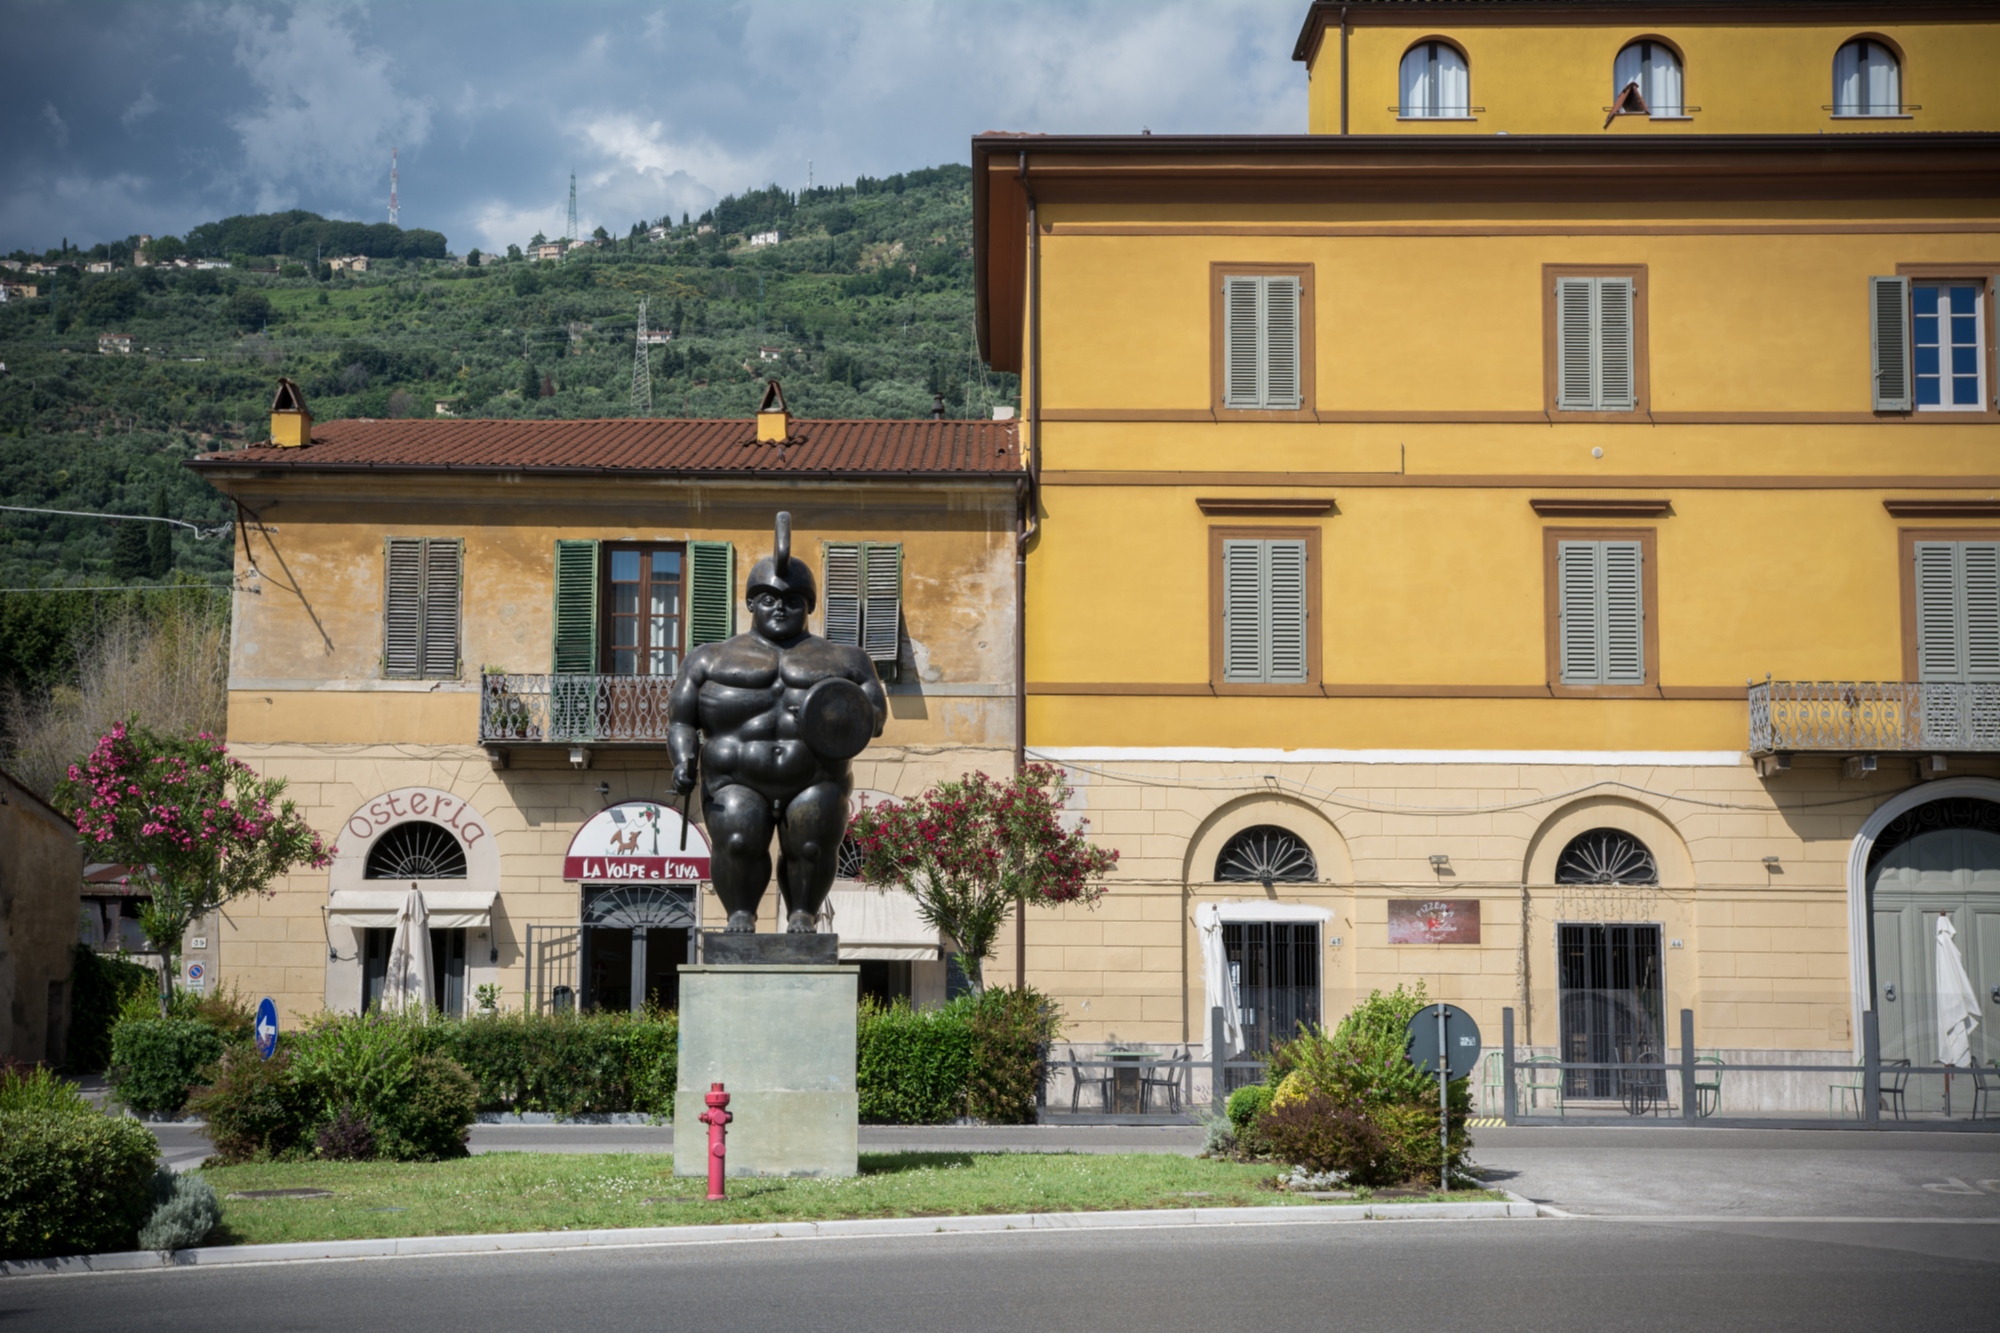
column 711, row 592
column 403, row 607
column 1615, row 390
column 1287, row 615
column 443, row 581
column 1576, row 335
column 1281, row 344
column 882, row 599
column 1889, row 335
column 1242, row 343
column 1580, row 636
column 576, row 608
column 840, row 592
column 1623, row 615
column 1958, row 611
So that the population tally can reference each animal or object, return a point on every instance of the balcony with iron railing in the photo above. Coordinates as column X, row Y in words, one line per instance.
column 1856, row 717
column 572, row 709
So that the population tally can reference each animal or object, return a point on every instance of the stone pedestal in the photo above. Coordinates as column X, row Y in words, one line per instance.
column 781, row 1040
column 720, row 947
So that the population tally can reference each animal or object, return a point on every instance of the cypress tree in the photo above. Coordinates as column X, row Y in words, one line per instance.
column 128, row 552
column 159, row 539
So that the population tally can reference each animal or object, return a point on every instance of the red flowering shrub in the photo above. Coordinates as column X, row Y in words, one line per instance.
column 970, row 849
column 198, row 828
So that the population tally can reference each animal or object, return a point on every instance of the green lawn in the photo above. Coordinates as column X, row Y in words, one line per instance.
column 557, row 1192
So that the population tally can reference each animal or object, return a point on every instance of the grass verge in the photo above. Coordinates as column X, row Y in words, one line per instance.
column 498, row 1192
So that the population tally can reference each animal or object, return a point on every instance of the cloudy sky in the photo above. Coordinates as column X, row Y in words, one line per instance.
column 153, row 116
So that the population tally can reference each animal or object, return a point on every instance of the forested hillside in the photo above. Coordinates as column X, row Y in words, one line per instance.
column 863, row 308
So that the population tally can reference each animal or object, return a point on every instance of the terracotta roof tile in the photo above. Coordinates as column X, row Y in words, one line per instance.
column 644, row 445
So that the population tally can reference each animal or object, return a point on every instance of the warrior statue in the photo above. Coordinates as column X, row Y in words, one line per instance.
column 774, row 716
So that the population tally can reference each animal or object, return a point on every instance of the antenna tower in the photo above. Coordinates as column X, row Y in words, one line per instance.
column 642, row 369
column 395, row 209
column 570, row 234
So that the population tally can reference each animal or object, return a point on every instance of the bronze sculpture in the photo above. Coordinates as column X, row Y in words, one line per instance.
column 771, row 718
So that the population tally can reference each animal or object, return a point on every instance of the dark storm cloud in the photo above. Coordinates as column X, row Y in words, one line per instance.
column 153, row 117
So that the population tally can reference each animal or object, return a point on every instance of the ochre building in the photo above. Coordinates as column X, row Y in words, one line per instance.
column 455, row 639
column 1534, row 534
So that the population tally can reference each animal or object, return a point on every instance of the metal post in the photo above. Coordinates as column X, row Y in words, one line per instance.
column 1444, row 1108
column 1510, row 1097
column 1871, row 1067
column 638, row 969
column 1219, row 1101
column 1687, row 1066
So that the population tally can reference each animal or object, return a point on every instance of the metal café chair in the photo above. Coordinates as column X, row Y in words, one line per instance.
column 1150, row 1078
column 1644, row 1089
column 1540, row 1074
column 1492, row 1082
column 1985, row 1082
column 1708, row 1091
column 1896, row 1087
column 1078, row 1080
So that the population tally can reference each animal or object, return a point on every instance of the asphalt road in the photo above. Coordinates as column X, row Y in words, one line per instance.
column 1549, row 1276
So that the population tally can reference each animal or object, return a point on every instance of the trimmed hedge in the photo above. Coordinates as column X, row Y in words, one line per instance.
column 912, row 1065
column 568, row 1064
column 73, row 1183
column 157, row 1062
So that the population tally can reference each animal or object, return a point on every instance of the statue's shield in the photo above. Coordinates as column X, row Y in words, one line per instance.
column 836, row 721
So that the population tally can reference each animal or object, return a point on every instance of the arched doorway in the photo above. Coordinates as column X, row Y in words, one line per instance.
column 1939, row 859
column 1610, row 986
column 406, row 853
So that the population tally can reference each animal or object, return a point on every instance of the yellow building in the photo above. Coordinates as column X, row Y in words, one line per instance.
column 455, row 640
column 1416, row 497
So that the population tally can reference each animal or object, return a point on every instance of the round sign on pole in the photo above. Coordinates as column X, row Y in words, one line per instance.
column 266, row 1028
column 1461, row 1041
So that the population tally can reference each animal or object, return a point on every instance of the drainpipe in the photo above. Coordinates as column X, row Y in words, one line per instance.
column 1026, row 526
column 1343, row 69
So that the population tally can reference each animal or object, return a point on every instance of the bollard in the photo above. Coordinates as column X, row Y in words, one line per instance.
column 715, row 1117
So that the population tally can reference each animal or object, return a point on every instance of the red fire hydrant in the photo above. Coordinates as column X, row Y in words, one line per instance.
column 715, row 1117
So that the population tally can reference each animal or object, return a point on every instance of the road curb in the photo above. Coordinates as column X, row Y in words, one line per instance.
column 636, row 1237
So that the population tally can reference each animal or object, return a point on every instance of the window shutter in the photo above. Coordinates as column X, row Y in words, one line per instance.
column 882, row 589
column 403, row 607
column 1287, row 612
column 711, row 592
column 443, row 560
column 840, row 594
column 1937, row 612
column 1614, row 345
column 1242, row 327
column 1580, row 635
column 1889, row 330
column 1576, row 387
column 1981, row 600
column 1242, row 611
column 576, row 608
column 1624, row 613
column 1281, row 343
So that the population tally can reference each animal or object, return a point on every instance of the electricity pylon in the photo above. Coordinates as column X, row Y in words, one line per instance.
column 642, row 370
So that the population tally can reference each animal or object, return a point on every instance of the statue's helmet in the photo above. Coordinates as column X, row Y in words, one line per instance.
column 778, row 572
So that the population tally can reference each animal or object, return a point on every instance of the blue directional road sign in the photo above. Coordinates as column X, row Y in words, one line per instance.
column 266, row 1028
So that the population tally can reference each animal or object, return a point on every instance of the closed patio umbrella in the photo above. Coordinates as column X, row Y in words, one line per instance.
column 1957, row 1004
column 407, row 983
column 1219, row 992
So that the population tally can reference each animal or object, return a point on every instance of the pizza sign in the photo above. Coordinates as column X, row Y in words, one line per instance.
column 1434, row 921
column 637, row 841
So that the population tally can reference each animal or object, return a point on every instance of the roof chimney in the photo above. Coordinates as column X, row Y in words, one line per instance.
column 291, row 424
column 774, row 422
column 937, row 407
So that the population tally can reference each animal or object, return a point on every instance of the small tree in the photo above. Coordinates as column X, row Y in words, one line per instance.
column 970, row 849
column 198, row 828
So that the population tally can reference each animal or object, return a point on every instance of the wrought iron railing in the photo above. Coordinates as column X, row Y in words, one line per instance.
column 1852, row 716
column 572, row 709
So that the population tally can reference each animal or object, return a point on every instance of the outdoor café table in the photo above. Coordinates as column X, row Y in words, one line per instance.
column 1127, row 1068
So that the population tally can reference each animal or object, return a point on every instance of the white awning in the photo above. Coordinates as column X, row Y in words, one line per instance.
column 879, row 924
column 449, row 908
column 1261, row 909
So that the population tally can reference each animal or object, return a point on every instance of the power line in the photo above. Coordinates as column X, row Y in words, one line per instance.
column 222, row 530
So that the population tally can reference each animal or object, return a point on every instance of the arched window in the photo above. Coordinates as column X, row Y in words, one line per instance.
column 1656, row 71
column 1265, row 855
column 1435, row 82
column 847, row 860
column 1606, row 856
column 416, row 849
column 1867, row 80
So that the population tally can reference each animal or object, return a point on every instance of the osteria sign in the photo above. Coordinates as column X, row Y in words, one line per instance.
column 637, row 841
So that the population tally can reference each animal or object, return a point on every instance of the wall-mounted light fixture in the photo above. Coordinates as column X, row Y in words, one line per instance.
column 1440, row 862
column 579, row 756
